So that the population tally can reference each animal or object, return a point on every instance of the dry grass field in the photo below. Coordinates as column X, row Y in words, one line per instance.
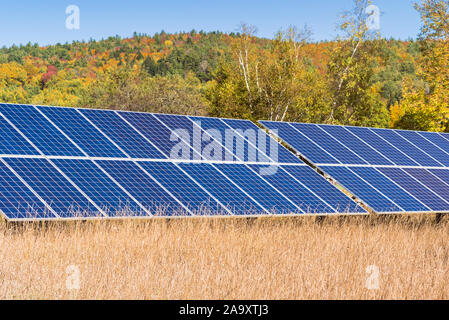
column 226, row 259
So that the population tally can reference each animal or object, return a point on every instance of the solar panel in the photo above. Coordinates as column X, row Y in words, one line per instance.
column 195, row 198
column 226, row 191
column 157, row 132
column 391, row 171
column 84, row 134
column 257, row 188
column 382, row 146
column 143, row 187
column 118, row 131
column 64, row 199
column 263, row 142
column 407, row 147
column 106, row 194
column 304, row 198
column 33, row 125
column 18, row 201
column 12, row 143
column 322, row 188
column 70, row 163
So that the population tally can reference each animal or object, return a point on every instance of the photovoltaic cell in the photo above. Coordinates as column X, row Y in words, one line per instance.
column 406, row 147
column 430, row 181
column 382, row 146
column 279, row 154
column 17, row 201
column 121, row 133
column 258, row 189
column 361, row 189
column 225, row 191
column 183, row 188
column 442, row 174
column 423, row 194
column 12, row 143
column 155, row 131
column 426, row 146
column 321, row 187
column 51, row 186
column 436, row 138
column 99, row 187
column 395, row 193
column 300, row 142
column 185, row 129
column 88, row 138
column 38, row 130
column 143, row 188
column 232, row 146
column 328, row 143
column 356, row 145
column 295, row 191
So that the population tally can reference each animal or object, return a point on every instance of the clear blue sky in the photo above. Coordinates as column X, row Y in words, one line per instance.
column 43, row 21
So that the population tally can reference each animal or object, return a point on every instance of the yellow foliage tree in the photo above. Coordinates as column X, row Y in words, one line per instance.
column 427, row 107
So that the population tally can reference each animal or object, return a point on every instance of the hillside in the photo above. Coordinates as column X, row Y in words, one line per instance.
column 170, row 73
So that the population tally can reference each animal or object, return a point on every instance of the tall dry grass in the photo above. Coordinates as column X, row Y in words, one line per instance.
column 226, row 259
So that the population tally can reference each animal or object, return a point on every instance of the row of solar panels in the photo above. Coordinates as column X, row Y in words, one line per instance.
column 71, row 163
column 53, row 131
column 392, row 171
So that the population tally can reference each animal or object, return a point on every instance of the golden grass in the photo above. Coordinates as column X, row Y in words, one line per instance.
column 227, row 259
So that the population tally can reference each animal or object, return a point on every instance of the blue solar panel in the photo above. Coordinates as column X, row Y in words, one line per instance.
column 88, row 138
column 227, row 193
column 258, row 189
column 328, row 143
column 183, row 188
column 121, row 133
column 51, row 186
column 41, row 132
column 187, row 132
column 430, row 181
column 386, row 149
column 234, row 147
column 97, row 186
column 424, row 195
column 264, row 142
column 357, row 146
column 11, row 142
column 437, row 138
column 362, row 190
column 395, row 193
column 426, row 146
column 143, row 188
column 406, row 147
column 442, row 174
column 444, row 135
column 295, row 191
column 157, row 133
column 17, row 201
column 299, row 142
column 321, row 187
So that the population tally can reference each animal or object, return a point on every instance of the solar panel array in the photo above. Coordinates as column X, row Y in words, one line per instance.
column 68, row 163
column 392, row 171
